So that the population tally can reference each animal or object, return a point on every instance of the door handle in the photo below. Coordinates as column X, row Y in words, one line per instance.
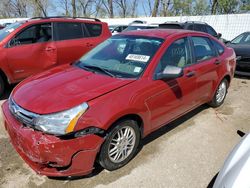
column 190, row 74
column 49, row 49
column 217, row 62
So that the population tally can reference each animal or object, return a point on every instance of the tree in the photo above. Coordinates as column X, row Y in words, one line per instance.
column 40, row 7
column 85, row 7
column 225, row 6
column 19, row 8
column 182, row 7
column 134, row 8
column 214, row 6
column 147, row 9
column 99, row 10
column 156, row 6
column 73, row 4
column 122, row 5
column 228, row 6
column 200, row 8
column 64, row 4
column 108, row 4
column 165, row 4
column 245, row 5
column 5, row 9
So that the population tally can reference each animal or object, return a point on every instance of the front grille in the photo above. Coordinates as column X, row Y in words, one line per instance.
column 22, row 115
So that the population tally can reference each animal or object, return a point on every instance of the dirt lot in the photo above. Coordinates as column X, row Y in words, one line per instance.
column 185, row 153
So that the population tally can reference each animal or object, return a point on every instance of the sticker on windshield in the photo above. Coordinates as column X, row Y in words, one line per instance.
column 137, row 69
column 137, row 57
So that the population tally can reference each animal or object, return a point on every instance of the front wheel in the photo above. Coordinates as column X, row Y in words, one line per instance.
column 220, row 94
column 120, row 145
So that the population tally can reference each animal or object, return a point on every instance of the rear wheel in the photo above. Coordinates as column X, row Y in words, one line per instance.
column 120, row 145
column 220, row 94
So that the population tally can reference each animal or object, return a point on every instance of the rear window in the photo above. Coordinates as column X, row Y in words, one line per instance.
column 202, row 49
column 218, row 46
column 170, row 26
column 94, row 30
column 211, row 31
column 67, row 31
column 200, row 27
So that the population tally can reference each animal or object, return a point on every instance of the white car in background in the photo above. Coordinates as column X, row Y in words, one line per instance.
column 116, row 29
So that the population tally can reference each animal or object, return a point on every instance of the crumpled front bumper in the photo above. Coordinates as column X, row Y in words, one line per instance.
column 49, row 155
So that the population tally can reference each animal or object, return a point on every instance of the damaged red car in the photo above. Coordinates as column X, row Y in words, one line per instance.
column 64, row 120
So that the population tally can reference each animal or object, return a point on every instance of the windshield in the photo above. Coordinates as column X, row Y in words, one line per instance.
column 9, row 29
column 122, row 56
column 111, row 27
column 242, row 39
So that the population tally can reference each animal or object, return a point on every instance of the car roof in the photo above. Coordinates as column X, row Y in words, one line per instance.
column 60, row 19
column 160, row 33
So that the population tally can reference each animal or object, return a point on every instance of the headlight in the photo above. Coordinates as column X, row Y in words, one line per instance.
column 62, row 122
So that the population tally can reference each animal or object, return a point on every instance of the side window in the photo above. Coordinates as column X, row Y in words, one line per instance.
column 199, row 27
column 95, row 30
column 68, row 30
column 218, row 46
column 177, row 54
column 190, row 27
column 118, row 29
column 202, row 48
column 28, row 36
column 211, row 31
column 34, row 34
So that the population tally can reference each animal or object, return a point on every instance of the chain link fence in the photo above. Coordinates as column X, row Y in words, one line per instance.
column 229, row 25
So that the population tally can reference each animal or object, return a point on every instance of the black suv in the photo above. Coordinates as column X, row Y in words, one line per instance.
column 195, row 26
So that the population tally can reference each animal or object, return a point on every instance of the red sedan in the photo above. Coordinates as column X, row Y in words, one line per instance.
column 97, row 110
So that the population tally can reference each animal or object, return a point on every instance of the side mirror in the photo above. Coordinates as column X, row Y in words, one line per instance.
column 219, row 35
column 170, row 72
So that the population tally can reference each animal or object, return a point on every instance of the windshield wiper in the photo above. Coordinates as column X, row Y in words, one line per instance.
column 91, row 67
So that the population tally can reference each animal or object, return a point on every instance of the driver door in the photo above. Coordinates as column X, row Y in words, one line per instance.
column 31, row 51
column 173, row 97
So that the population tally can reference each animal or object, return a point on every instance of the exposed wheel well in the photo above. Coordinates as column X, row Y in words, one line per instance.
column 4, row 77
column 228, row 78
column 134, row 117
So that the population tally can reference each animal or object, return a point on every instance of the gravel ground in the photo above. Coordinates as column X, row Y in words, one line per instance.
column 186, row 153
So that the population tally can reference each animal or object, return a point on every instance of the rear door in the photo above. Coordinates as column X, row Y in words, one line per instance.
column 70, row 41
column 31, row 51
column 74, row 39
column 95, row 34
column 206, row 67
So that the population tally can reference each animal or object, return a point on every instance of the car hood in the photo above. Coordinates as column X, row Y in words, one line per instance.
column 62, row 88
column 241, row 50
column 235, row 171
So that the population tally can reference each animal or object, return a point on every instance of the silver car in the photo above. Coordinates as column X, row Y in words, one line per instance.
column 235, row 172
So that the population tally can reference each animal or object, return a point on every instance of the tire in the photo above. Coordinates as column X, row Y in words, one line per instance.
column 116, row 152
column 220, row 94
column 2, row 86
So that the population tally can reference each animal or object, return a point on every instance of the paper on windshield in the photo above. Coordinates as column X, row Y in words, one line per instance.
column 138, row 57
column 137, row 69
